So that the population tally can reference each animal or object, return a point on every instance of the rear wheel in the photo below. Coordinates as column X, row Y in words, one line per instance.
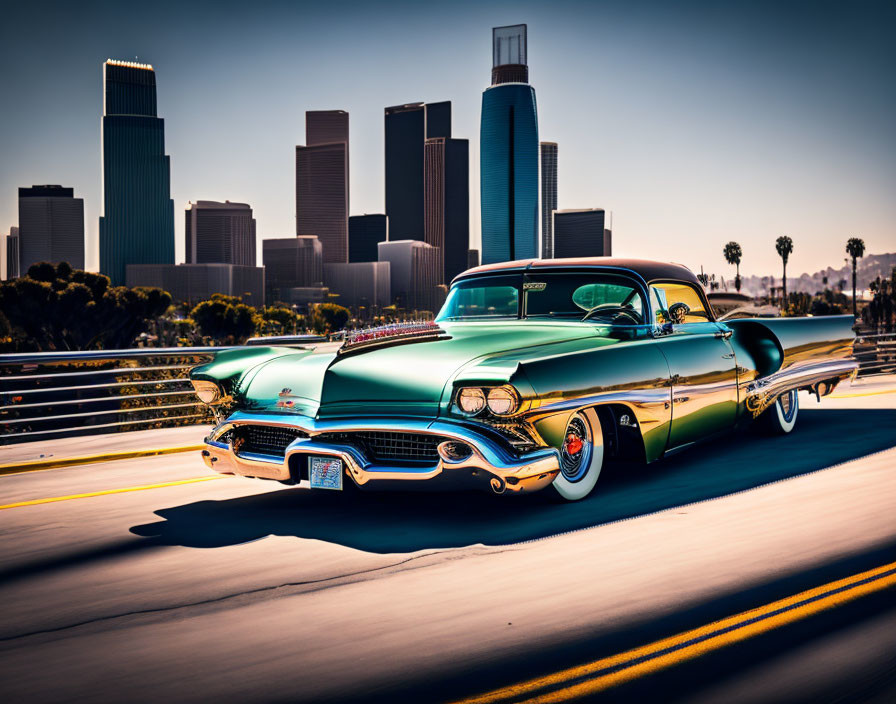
column 581, row 457
column 780, row 419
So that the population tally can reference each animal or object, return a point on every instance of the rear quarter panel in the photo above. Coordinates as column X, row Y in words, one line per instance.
column 764, row 346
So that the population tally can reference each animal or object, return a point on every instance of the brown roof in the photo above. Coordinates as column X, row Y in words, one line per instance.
column 649, row 270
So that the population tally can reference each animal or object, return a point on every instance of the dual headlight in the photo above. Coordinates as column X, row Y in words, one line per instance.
column 500, row 400
column 208, row 391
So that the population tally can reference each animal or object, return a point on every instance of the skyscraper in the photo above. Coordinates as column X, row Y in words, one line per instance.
column 137, row 224
column 322, row 186
column 220, row 233
column 509, row 153
column 51, row 226
column 447, row 203
column 12, row 253
column 365, row 232
column 407, row 128
column 548, row 197
column 581, row 233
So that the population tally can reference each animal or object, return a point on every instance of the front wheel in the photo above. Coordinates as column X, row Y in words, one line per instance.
column 781, row 417
column 581, row 456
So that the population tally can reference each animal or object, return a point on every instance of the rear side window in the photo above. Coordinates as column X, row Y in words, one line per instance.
column 663, row 295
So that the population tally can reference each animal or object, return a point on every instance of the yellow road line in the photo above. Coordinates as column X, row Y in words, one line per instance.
column 106, row 492
column 50, row 463
column 867, row 393
column 691, row 644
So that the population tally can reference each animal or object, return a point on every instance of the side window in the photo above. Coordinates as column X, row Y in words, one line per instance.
column 595, row 294
column 664, row 295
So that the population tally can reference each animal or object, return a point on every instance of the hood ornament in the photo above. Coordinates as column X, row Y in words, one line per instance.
column 389, row 334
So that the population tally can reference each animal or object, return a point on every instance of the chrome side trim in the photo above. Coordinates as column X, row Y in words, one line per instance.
column 638, row 398
column 761, row 394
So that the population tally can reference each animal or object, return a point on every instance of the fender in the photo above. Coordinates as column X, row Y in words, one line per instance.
column 232, row 368
column 776, row 355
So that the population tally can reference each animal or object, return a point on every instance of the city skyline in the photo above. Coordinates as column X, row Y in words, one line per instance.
column 695, row 127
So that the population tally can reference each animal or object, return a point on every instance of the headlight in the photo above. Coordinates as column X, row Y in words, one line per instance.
column 207, row 391
column 471, row 400
column 502, row 401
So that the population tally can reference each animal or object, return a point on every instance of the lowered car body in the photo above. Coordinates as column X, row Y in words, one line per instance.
column 532, row 376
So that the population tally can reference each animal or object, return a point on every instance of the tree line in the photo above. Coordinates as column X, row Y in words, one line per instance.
column 57, row 308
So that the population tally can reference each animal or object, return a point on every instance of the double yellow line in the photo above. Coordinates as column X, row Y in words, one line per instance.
column 593, row 677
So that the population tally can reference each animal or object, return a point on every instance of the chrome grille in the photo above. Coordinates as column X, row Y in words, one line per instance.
column 265, row 439
column 382, row 446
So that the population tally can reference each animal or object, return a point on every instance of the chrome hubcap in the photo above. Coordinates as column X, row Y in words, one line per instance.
column 575, row 453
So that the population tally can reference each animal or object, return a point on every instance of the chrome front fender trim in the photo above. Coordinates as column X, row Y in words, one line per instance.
column 503, row 470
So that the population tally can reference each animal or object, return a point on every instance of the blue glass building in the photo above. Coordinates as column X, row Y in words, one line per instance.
column 137, row 225
column 509, row 153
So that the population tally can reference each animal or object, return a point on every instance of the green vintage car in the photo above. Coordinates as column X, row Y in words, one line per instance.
column 533, row 375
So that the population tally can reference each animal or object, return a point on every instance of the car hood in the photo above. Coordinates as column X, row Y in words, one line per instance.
column 407, row 378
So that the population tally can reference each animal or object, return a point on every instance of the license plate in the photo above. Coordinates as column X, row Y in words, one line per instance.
column 325, row 473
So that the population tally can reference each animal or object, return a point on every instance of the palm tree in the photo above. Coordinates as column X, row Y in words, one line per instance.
column 855, row 248
column 733, row 254
column 784, row 246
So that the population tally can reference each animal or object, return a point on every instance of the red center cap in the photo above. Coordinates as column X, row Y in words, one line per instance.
column 573, row 444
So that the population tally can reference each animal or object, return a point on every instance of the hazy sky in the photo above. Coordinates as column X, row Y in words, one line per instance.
column 693, row 122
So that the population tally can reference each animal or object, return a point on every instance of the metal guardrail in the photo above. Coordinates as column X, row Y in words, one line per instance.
column 54, row 394
column 876, row 353
column 58, row 394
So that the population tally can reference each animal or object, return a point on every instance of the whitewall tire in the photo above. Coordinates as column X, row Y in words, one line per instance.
column 780, row 419
column 581, row 456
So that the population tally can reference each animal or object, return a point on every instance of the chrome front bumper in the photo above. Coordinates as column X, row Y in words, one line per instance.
column 490, row 465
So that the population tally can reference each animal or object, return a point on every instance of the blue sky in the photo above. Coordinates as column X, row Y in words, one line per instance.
column 693, row 122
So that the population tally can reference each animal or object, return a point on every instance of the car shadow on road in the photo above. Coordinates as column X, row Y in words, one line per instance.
column 407, row 522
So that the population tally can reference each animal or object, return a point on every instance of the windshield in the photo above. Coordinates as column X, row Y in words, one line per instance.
column 604, row 298
column 478, row 299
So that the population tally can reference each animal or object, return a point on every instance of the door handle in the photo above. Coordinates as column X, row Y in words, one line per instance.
column 724, row 334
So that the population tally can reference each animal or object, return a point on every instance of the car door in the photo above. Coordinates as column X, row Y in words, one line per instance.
column 702, row 365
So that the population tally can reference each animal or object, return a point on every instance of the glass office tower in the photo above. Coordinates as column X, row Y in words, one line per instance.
column 137, row 224
column 407, row 127
column 509, row 153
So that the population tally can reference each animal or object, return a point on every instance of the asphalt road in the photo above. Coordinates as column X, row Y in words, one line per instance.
column 238, row 590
